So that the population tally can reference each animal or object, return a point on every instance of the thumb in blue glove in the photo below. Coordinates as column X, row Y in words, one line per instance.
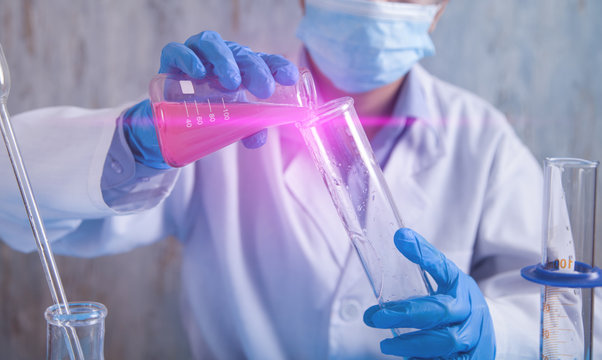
column 454, row 322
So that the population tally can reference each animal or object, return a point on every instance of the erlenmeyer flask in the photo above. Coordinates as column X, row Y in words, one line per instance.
column 194, row 118
column 88, row 321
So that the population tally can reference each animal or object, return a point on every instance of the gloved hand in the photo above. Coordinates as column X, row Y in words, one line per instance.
column 203, row 54
column 454, row 322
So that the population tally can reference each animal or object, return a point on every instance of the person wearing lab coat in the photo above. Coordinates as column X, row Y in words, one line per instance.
column 268, row 271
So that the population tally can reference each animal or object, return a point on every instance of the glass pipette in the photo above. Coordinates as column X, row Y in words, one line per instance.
column 35, row 220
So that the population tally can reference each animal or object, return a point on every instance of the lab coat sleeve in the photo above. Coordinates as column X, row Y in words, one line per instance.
column 128, row 186
column 65, row 151
column 509, row 239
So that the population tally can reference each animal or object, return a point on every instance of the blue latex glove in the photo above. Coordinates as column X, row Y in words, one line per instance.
column 208, row 54
column 454, row 322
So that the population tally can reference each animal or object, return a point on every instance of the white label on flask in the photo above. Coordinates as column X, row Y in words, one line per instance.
column 186, row 86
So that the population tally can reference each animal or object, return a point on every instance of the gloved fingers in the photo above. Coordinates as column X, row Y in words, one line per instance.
column 177, row 58
column 426, row 312
column 483, row 338
column 443, row 343
column 218, row 58
column 256, row 75
column 419, row 251
column 283, row 71
column 256, row 140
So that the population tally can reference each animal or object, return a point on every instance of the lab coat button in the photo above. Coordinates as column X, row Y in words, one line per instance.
column 350, row 309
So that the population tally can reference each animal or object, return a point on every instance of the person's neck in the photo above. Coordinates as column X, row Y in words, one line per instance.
column 377, row 104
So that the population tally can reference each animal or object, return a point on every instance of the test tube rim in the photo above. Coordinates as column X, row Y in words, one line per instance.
column 97, row 312
column 571, row 162
column 328, row 111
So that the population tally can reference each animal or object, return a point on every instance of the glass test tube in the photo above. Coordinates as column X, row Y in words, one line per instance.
column 342, row 153
column 87, row 319
column 568, row 254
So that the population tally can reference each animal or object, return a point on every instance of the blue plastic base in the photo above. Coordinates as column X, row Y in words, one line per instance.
column 584, row 276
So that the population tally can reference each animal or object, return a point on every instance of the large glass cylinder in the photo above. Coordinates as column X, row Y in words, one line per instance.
column 342, row 153
column 567, row 269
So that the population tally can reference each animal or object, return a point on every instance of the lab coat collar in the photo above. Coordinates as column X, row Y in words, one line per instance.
column 412, row 102
column 410, row 107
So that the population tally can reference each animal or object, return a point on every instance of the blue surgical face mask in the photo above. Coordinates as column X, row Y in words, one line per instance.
column 361, row 45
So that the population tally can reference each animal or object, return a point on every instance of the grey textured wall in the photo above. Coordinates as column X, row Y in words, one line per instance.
column 537, row 60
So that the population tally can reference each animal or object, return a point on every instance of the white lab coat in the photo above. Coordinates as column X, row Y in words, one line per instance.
column 268, row 271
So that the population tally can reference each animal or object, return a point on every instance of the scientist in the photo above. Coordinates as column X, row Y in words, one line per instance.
column 268, row 271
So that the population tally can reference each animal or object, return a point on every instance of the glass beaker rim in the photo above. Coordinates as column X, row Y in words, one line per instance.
column 82, row 313
column 571, row 162
column 329, row 110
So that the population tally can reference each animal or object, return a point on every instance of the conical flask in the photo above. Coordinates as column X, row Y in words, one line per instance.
column 195, row 117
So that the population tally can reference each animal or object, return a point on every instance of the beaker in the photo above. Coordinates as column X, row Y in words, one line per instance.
column 195, row 117
column 87, row 319
column 342, row 154
column 567, row 269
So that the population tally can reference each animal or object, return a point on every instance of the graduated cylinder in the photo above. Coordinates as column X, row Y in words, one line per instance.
column 567, row 269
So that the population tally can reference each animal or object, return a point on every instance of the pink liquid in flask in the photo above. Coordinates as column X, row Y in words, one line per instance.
column 190, row 130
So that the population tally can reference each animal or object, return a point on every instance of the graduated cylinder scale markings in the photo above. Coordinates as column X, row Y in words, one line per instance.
column 562, row 327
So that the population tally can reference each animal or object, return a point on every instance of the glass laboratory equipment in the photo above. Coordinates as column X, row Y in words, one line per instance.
column 342, row 153
column 53, row 278
column 567, row 269
column 87, row 319
column 195, row 117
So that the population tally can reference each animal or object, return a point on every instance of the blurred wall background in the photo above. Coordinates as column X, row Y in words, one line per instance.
column 538, row 61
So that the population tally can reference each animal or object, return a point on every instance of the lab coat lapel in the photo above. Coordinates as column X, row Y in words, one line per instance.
column 420, row 149
column 306, row 186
